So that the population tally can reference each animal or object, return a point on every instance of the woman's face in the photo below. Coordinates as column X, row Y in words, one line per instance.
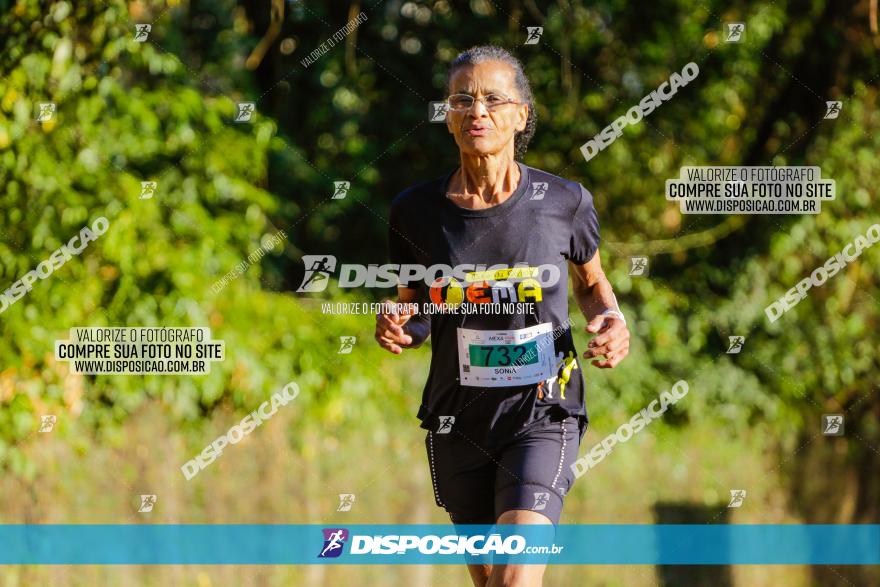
column 480, row 131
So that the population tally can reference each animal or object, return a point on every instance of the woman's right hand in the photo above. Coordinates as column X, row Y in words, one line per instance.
column 389, row 329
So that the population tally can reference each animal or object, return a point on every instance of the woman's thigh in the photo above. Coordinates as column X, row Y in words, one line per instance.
column 534, row 472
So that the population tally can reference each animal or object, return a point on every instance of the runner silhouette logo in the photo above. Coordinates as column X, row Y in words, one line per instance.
column 46, row 111
column 142, row 32
column 541, row 500
column 735, row 344
column 832, row 109
column 346, row 344
column 246, row 111
column 737, row 497
column 638, row 266
column 539, row 190
column 334, row 541
column 317, row 275
column 735, row 31
column 47, row 423
column 446, row 423
column 437, row 111
column 147, row 503
column 148, row 189
column 340, row 189
column 346, row 501
column 832, row 424
column 533, row 34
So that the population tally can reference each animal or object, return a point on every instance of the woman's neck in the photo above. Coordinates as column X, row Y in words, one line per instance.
column 483, row 182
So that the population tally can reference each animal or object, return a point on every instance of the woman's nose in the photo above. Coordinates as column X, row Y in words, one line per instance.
column 478, row 109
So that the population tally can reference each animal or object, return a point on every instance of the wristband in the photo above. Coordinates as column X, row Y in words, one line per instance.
column 615, row 313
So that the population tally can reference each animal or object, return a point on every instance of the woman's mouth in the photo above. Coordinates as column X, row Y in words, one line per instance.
column 477, row 131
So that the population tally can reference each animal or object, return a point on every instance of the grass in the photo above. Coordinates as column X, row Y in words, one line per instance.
column 291, row 469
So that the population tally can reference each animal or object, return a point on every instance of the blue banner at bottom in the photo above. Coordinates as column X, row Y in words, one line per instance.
column 628, row 544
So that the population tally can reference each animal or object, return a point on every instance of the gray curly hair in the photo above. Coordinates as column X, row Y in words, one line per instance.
column 483, row 53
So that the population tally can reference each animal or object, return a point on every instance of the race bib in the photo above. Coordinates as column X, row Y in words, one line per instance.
column 504, row 358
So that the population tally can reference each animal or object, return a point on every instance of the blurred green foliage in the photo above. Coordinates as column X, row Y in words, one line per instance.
column 129, row 112
column 162, row 110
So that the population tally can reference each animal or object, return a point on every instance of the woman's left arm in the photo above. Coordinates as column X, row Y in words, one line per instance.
column 595, row 298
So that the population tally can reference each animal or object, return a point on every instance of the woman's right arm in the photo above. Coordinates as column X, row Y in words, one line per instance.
column 397, row 331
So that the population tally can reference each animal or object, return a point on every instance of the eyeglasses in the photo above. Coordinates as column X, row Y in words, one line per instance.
column 464, row 102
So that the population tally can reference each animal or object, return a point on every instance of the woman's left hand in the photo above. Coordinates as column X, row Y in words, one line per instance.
column 612, row 341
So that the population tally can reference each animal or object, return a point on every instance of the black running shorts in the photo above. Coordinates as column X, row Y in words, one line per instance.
column 530, row 472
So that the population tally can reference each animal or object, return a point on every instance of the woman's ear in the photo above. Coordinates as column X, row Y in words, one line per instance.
column 523, row 117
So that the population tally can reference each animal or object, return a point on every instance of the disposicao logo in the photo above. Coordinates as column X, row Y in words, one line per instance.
column 334, row 540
